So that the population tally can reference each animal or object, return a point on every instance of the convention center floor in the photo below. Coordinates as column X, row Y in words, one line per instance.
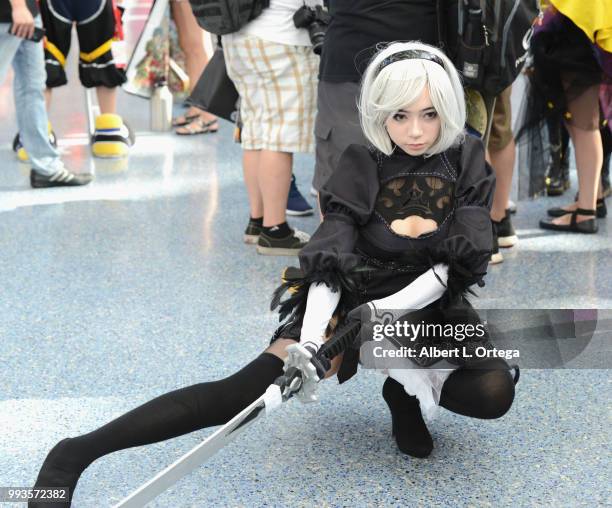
column 139, row 284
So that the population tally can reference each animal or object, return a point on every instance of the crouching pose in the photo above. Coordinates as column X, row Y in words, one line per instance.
column 406, row 225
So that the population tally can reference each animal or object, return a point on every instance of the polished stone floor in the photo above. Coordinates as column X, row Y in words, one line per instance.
column 140, row 283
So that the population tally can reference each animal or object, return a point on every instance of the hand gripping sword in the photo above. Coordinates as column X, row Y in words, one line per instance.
column 302, row 372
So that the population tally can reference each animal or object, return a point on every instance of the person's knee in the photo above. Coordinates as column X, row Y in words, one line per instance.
column 497, row 394
column 279, row 347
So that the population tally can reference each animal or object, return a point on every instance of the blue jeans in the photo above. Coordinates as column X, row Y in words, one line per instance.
column 28, row 85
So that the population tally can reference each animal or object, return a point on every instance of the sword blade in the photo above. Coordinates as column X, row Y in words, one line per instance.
column 196, row 456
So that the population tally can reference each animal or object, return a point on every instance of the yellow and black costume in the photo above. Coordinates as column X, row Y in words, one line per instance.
column 98, row 25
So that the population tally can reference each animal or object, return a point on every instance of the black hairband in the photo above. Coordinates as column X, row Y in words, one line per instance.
column 410, row 54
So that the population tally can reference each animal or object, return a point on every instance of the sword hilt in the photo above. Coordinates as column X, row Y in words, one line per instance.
column 340, row 341
column 290, row 382
column 304, row 367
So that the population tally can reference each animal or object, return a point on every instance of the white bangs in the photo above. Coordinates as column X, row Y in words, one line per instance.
column 391, row 90
column 400, row 84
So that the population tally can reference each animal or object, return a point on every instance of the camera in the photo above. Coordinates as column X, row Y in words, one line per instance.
column 316, row 21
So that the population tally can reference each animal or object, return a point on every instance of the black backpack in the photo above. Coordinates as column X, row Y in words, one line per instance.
column 492, row 41
column 222, row 17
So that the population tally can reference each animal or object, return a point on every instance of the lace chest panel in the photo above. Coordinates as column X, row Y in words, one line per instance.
column 413, row 205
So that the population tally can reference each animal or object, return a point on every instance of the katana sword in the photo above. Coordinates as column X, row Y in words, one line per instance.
column 300, row 377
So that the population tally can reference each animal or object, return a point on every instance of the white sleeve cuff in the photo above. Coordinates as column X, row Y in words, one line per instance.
column 424, row 290
column 320, row 307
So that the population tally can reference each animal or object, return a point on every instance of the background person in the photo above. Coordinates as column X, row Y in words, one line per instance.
column 274, row 68
column 191, row 41
column 28, row 83
column 99, row 31
column 356, row 27
column 572, row 59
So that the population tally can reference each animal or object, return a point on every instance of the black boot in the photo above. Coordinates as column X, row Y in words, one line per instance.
column 605, row 176
column 59, row 470
column 408, row 426
column 557, row 180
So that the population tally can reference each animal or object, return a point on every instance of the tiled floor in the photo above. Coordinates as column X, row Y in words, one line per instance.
column 139, row 283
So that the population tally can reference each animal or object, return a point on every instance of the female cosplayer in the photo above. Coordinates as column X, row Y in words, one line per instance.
column 406, row 225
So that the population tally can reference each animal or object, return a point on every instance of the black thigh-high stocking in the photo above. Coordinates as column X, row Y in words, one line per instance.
column 170, row 415
column 486, row 391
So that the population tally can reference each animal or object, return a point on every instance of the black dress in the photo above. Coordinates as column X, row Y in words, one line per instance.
column 354, row 249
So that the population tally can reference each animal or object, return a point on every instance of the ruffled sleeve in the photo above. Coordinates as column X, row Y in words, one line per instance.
column 347, row 201
column 470, row 239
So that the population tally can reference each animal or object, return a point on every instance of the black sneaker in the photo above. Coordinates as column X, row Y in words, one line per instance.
column 61, row 178
column 252, row 232
column 288, row 246
column 506, row 236
column 496, row 256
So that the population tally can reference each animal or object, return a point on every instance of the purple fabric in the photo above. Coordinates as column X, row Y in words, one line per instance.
column 553, row 21
column 605, row 60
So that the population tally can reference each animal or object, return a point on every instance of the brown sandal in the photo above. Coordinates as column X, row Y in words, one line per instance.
column 184, row 120
column 198, row 126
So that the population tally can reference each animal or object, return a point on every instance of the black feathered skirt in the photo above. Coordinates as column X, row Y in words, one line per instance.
column 373, row 279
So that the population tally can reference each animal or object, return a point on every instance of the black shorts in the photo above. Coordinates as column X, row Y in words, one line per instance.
column 97, row 24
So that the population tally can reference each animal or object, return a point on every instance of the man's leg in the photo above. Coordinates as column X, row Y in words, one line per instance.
column 9, row 44
column 274, row 176
column 47, row 168
column 107, row 99
column 250, row 165
column 501, row 155
column 191, row 41
column 503, row 164
column 58, row 33
column 97, row 26
column 32, row 120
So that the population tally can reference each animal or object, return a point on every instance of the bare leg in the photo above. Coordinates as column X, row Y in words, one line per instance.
column 250, row 165
column 585, row 135
column 274, row 179
column 107, row 99
column 589, row 158
column 191, row 40
column 503, row 164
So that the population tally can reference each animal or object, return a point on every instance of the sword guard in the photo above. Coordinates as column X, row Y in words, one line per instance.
column 301, row 376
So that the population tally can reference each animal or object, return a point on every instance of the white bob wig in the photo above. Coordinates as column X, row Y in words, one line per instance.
column 386, row 90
